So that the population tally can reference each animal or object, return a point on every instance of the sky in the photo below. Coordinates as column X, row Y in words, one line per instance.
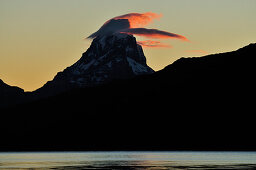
column 39, row 38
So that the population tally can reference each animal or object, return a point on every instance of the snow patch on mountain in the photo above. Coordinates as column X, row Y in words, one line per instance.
column 136, row 67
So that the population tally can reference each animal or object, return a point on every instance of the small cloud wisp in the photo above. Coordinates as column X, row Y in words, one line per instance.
column 153, row 44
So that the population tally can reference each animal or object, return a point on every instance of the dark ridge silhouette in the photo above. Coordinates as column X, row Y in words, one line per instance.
column 204, row 103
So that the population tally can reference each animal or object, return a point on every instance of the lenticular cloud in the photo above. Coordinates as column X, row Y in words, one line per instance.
column 134, row 23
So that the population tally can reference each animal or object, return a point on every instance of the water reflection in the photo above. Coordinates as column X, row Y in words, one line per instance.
column 146, row 165
column 129, row 160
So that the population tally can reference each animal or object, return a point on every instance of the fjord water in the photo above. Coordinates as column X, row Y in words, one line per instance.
column 128, row 160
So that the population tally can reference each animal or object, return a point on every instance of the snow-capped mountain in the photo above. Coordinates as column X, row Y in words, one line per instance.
column 117, row 56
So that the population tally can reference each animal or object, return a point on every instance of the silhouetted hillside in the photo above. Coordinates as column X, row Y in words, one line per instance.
column 10, row 95
column 204, row 103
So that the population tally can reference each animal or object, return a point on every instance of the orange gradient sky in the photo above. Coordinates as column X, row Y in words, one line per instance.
column 39, row 38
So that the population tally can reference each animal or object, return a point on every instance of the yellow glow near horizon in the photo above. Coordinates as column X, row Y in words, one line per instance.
column 39, row 38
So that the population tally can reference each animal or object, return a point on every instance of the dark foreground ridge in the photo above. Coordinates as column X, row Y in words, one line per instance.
column 204, row 103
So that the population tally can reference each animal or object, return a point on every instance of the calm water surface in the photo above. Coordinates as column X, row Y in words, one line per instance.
column 128, row 160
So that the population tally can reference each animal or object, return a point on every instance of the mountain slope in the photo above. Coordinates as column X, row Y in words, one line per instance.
column 219, row 76
column 204, row 103
column 10, row 95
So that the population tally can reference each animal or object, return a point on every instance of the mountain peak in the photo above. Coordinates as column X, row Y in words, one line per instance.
column 116, row 56
column 123, row 43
